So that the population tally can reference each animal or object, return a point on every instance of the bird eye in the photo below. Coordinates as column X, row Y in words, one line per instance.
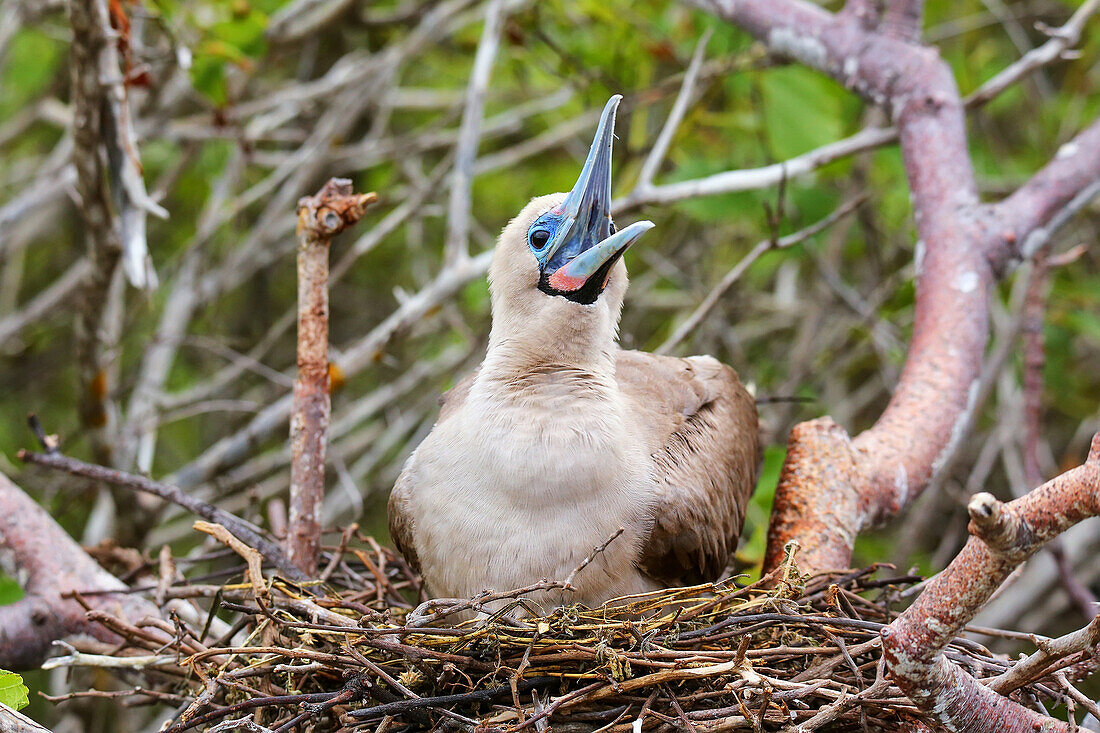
column 539, row 238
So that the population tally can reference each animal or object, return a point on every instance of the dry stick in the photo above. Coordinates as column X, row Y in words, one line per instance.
column 1050, row 652
column 1004, row 535
column 249, row 532
column 458, row 207
column 684, row 99
column 46, row 301
column 255, row 572
column 320, row 218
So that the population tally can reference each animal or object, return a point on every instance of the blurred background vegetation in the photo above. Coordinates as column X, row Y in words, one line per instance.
column 241, row 108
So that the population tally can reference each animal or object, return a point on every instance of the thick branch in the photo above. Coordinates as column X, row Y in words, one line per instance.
column 964, row 246
column 49, row 564
column 320, row 218
column 1004, row 535
column 90, row 54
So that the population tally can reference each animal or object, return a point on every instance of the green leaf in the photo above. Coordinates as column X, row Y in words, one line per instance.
column 802, row 110
column 13, row 692
column 10, row 592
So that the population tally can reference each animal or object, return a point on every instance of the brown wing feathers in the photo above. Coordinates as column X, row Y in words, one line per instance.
column 702, row 430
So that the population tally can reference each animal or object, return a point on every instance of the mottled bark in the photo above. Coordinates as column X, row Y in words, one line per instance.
column 833, row 486
column 94, row 331
column 320, row 218
column 1004, row 535
column 965, row 246
column 49, row 564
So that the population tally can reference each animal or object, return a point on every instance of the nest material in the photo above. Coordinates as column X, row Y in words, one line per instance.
column 362, row 651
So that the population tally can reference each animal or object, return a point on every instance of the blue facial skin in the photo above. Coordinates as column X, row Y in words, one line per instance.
column 542, row 233
column 577, row 234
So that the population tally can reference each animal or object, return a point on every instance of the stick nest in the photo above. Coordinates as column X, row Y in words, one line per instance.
column 362, row 650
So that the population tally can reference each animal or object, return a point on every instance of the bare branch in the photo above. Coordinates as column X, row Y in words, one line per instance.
column 50, row 565
column 1004, row 535
column 303, row 18
column 320, row 218
column 458, row 208
column 679, row 108
column 241, row 528
column 1061, row 39
column 46, row 301
column 750, row 179
column 1050, row 652
column 684, row 329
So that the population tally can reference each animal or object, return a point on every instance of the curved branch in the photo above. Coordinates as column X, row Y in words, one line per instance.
column 964, row 248
column 1004, row 535
column 50, row 565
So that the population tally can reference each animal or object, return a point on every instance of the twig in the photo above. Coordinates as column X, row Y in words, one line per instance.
column 1004, row 535
column 679, row 108
column 592, row 556
column 320, row 218
column 1049, row 652
column 239, row 527
column 458, row 207
column 250, row 555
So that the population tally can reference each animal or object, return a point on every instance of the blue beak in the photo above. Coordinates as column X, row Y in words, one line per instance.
column 585, row 247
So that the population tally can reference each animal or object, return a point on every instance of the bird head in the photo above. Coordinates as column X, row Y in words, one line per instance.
column 562, row 255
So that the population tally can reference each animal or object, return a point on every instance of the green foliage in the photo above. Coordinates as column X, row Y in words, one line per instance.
column 13, row 692
column 226, row 35
column 10, row 592
column 751, row 552
column 802, row 110
column 32, row 63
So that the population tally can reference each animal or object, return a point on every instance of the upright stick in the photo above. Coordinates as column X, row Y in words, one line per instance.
column 320, row 218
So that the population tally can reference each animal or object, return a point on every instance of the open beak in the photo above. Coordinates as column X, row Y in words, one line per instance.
column 584, row 249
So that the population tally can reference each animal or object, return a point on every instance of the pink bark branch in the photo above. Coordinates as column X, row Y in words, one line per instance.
column 832, row 486
column 1004, row 535
column 49, row 564
column 320, row 218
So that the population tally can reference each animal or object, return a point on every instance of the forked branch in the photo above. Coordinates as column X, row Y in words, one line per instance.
column 1003, row 536
column 832, row 486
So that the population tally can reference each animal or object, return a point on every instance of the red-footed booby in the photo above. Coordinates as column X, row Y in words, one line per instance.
column 560, row 437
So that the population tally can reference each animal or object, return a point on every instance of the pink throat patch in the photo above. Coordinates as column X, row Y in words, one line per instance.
column 565, row 283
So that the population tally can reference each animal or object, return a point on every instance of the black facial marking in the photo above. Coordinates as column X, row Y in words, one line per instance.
column 587, row 293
